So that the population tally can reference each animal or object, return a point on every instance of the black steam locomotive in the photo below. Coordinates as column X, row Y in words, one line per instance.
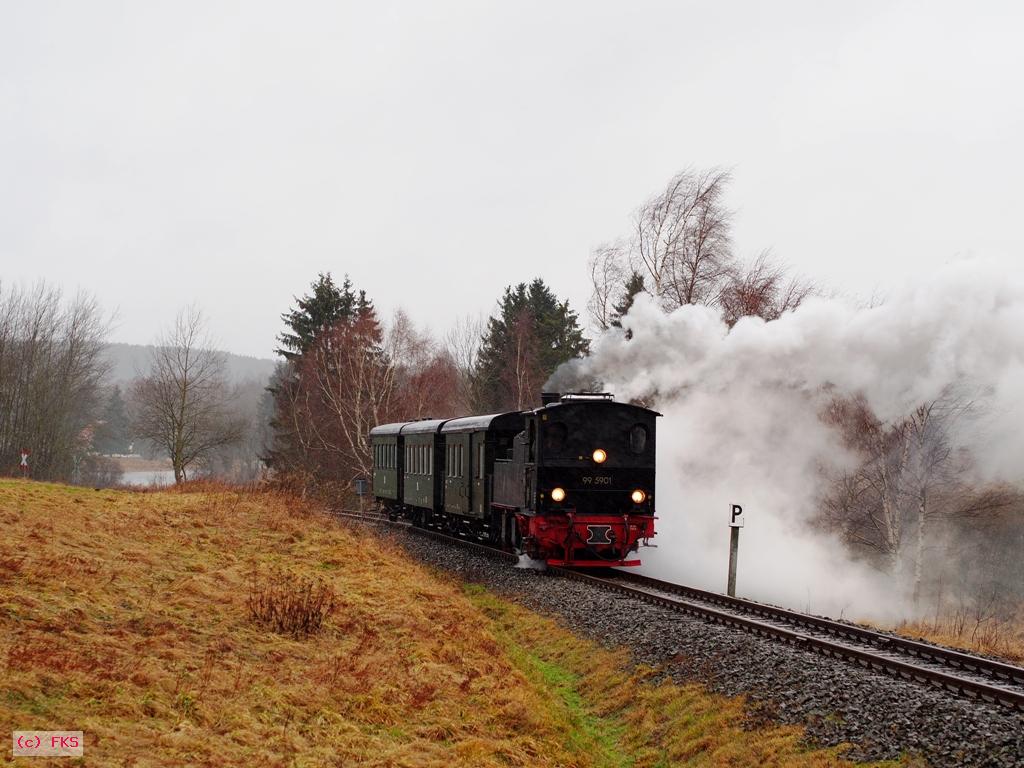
column 571, row 482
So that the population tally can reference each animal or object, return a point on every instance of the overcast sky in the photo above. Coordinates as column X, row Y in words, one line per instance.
column 157, row 154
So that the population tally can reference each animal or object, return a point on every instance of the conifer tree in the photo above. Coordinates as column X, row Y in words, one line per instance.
column 526, row 340
column 634, row 285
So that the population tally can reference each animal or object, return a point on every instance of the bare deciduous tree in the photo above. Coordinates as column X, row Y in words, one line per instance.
column 50, row 374
column 607, row 266
column 762, row 289
column 462, row 343
column 347, row 385
column 183, row 404
column 681, row 240
column 911, row 475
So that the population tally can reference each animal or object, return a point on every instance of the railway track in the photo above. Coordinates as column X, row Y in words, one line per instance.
column 954, row 671
column 965, row 674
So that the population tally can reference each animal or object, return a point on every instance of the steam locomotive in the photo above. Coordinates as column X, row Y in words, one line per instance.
column 571, row 482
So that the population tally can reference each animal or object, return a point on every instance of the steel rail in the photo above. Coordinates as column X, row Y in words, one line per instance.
column 833, row 648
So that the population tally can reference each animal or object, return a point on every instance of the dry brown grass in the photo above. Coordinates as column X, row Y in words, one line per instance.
column 990, row 636
column 128, row 616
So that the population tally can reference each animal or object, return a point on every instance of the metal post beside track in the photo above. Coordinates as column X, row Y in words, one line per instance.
column 734, row 548
column 735, row 523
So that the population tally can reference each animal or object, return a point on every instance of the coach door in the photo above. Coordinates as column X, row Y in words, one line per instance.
column 457, row 474
column 479, row 502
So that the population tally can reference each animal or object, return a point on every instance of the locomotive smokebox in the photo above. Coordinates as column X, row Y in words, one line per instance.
column 546, row 398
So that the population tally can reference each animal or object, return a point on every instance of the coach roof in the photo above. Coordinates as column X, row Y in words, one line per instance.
column 422, row 427
column 510, row 420
column 387, row 429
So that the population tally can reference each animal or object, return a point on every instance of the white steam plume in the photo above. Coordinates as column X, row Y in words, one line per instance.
column 742, row 422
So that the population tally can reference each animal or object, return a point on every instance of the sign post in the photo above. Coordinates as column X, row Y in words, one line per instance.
column 735, row 523
column 25, row 453
column 362, row 486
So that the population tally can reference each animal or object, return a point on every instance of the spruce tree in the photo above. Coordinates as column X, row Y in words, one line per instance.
column 526, row 340
column 318, row 311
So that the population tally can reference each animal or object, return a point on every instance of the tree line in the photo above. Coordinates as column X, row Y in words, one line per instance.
column 344, row 371
column 58, row 407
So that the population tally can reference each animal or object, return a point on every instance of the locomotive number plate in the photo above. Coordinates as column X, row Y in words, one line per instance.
column 597, row 480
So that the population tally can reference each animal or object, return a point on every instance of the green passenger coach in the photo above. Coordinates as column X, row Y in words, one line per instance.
column 422, row 463
column 386, row 445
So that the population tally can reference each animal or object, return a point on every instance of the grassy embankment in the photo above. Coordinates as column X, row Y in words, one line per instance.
column 126, row 615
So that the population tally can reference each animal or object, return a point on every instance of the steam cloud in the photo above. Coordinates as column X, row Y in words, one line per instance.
column 741, row 420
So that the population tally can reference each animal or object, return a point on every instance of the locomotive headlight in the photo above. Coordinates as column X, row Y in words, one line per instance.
column 558, row 494
column 600, row 455
column 638, row 496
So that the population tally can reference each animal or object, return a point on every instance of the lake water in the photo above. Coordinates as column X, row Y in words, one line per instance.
column 149, row 477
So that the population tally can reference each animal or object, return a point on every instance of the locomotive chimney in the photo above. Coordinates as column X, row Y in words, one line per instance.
column 546, row 398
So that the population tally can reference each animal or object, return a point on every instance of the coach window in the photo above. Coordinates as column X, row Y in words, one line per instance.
column 480, row 461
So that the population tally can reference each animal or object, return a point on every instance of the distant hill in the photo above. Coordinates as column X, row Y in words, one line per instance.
column 128, row 360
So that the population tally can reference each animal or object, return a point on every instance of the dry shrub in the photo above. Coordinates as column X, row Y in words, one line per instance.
column 289, row 604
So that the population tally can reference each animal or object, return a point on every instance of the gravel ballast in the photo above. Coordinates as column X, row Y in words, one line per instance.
column 883, row 717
